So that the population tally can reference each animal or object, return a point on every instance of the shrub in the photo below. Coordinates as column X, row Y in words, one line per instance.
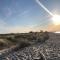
column 24, row 44
column 11, row 39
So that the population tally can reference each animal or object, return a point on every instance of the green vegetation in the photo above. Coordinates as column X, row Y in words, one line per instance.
column 23, row 39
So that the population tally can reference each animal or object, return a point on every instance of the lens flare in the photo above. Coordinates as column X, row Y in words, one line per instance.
column 55, row 18
column 40, row 4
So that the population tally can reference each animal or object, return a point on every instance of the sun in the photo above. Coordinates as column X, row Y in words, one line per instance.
column 56, row 19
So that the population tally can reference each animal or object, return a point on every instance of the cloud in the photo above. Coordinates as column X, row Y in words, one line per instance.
column 19, row 29
column 24, row 12
column 7, row 12
column 53, row 28
column 2, row 23
column 4, row 28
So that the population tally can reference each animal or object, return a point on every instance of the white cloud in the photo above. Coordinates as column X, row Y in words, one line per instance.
column 19, row 29
column 2, row 23
column 24, row 12
column 7, row 12
column 4, row 28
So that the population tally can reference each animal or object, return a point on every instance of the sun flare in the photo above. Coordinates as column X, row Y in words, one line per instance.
column 56, row 19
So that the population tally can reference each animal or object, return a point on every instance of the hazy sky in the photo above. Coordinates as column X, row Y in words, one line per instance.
column 26, row 15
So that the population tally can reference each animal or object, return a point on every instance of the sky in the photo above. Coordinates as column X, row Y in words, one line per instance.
column 26, row 15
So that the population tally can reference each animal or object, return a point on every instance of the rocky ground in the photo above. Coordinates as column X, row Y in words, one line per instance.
column 50, row 50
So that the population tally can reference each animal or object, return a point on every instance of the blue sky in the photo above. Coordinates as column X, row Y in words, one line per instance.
column 16, row 15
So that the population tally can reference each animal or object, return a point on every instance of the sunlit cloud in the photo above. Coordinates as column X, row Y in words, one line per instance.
column 53, row 28
column 17, row 29
column 24, row 29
